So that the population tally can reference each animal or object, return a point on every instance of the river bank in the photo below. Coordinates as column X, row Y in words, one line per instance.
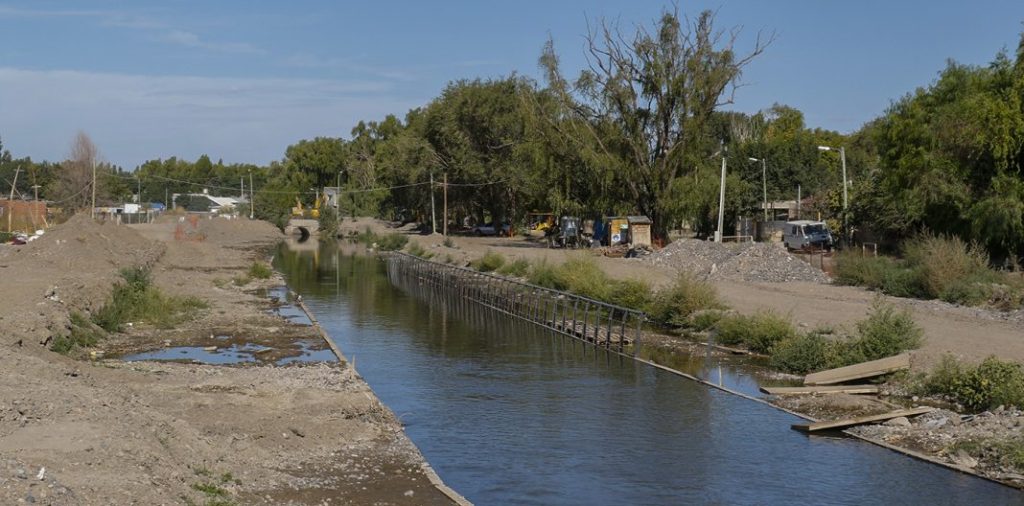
column 89, row 428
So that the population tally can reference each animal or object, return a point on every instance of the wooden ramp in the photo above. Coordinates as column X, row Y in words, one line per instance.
column 859, row 371
column 849, row 422
column 839, row 389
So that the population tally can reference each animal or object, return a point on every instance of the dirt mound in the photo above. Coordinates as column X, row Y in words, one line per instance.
column 755, row 262
column 237, row 230
column 57, row 273
column 761, row 262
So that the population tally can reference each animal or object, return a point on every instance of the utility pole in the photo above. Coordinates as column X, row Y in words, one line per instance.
column 138, row 197
column 721, row 202
column 445, row 205
column 35, row 188
column 252, row 203
column 93, row 208
column 798, row 203
column 10, row 200
column 241, row 181
column 433, row 215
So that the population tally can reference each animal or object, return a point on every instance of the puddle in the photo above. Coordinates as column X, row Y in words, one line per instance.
column 234, row 354
column 309, row 354
column 283, row 306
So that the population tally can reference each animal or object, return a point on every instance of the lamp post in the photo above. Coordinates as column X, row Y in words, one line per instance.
column 842, row 157
column 764, row 184
column 337, row 195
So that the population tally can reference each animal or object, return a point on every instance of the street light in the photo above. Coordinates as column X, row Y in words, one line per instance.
column 842, row 156
column 764, row 184
column 721, row 201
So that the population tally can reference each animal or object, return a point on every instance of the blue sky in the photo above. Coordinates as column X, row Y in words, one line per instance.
column 241, row 80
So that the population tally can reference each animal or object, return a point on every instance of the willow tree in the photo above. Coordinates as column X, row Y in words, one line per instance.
column 641, row 107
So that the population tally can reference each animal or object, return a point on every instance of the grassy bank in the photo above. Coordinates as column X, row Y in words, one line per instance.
column 133, row 299
column 935, row 267
column 691, row 305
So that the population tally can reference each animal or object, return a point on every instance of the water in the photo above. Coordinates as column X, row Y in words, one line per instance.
column 510, row 414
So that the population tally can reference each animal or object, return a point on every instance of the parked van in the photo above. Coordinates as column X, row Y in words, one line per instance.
column 805, row 234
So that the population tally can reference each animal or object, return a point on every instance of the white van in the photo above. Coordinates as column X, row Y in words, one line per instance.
column 806, row 234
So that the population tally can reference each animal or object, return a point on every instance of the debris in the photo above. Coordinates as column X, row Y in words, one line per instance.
column 850, row 389
column 961, row 458
column 752, row 262
column 859, row 371
column 847, row 422
column 900, row 421
column 42, row 474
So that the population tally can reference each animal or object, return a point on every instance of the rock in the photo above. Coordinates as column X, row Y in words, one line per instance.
column 961, row 458
column 901, row 421
column 938, row 423
column 409, row 493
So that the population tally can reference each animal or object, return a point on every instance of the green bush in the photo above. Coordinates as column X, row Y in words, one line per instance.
column 491, row 261
column 136, row 299
column 516, row 268
column 582, row 276
column 419, row 251
column 392, row 242
column 83, row 335
column 947, row 261
column 878, row 273
column 328, row 222
column 991, row 383
column 674, row 305
column 760, row 332
column 802, row 354
column 630, row 293
column 884, row 333
column 260, row 270
column 544, row 274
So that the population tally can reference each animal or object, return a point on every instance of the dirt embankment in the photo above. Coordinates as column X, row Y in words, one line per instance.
column 76, row 431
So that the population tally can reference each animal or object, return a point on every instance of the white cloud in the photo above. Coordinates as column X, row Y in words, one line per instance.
column 189, row 39
column 137, row 117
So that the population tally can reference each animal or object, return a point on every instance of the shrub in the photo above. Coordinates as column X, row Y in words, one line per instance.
column 544, row 274
column 630, row 293
column 516, row 268
column 419, row 251
column 490, row 262
column 885, row 332
column 760, row 332
column 449, row 242
column 878, row 273
column 991, row 383
column 83, row 334
column 328, row 222
column 392, row 242
column 675, row 304
column 260, row 270
column 945, row 262
column 136, row 299
column 582, row 276
column 805, row 353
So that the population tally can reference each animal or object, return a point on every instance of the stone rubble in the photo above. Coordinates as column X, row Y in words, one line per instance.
column 750, row 262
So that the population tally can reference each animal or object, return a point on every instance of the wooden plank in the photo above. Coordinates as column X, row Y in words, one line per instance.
column 848, row 422
column 831, row 389
column 859, row 371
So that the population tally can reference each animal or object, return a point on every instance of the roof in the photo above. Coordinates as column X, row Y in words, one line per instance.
column 639, row 220
column 805, row 222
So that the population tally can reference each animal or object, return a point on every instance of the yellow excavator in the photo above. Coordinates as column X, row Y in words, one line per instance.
column 300, row 212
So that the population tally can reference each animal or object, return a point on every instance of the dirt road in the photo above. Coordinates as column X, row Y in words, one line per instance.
column 969, row 333
column 80, row 431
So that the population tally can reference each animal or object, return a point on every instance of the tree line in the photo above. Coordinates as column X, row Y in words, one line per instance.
column 642, row 130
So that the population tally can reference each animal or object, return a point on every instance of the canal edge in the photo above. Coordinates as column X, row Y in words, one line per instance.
column 429, row 471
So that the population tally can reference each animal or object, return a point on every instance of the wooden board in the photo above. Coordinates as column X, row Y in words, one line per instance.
column 849, row 422
column 837, row 389
column 859, row 371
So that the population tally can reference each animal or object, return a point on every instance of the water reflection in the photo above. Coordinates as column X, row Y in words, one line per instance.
column 511, row 414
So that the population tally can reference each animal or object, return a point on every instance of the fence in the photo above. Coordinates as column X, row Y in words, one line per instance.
column 604, row 325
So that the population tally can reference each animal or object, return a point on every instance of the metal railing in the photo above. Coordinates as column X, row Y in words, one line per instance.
column 608, row 326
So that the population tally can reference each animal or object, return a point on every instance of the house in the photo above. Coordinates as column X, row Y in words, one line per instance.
column 206, row 203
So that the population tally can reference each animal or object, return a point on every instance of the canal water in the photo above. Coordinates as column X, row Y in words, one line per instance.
column 511, row 414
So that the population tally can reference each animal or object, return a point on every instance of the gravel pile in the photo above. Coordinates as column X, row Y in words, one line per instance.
column 752, row 262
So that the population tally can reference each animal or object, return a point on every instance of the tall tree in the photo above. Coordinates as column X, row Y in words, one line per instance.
column 645, row 101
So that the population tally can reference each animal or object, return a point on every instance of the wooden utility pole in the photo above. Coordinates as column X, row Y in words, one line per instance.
column 10, row 200
column 433, row 214
column 252, row 203
column 92, row 210
column 445, row 228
